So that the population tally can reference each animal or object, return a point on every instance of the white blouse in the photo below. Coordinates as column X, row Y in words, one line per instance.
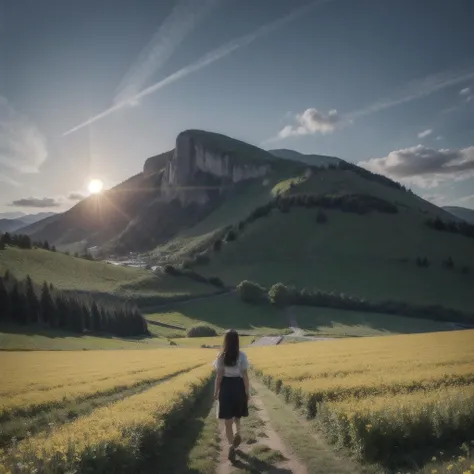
column 236, row 370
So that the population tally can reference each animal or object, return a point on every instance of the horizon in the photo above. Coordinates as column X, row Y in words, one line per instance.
column 94, row 89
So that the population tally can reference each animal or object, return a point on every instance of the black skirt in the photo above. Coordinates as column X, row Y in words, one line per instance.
column 232, row 398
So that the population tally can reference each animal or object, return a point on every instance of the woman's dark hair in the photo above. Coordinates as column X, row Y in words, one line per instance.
column 230, row 348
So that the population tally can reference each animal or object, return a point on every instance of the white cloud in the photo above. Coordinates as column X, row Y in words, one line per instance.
column 439, row 137
column 36, row 202
column 425, row 167
column 22, row 146
column 465, row 91
column 425, row 133
column 312, row 121
column 206, row 60
column 7, row 180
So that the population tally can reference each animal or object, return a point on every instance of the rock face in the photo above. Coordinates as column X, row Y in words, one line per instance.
column 157, row 163
column 195, row 168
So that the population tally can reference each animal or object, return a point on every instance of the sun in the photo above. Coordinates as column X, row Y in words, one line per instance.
column 95, row 186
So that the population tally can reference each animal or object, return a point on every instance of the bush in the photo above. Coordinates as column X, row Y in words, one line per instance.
column 201, row 330
column 449, row 263
column 465, row 270
column 231, row 235
column 216, row 281
column 171, row 270
column 281, row 295
column 251, row 292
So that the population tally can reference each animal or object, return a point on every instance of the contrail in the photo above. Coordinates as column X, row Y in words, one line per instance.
column 206, row 60
column 417, row 89
column 182, row 20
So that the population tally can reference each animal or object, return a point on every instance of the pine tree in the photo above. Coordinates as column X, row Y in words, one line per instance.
column 33, row 302
column 53, row 248
column 48, row 314
column 4, row 302
column 46, row 245
column 2, row 243
column 19, row 306
column 95, row 316
column 62, row 309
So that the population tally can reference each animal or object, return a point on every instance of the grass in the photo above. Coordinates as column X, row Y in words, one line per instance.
column 70, row 273
column 327, row 322
column 209, row 341
column 27, row 338
column 302, row 439
column 223, row 312
column 351, row 254
column 195, row 448
column 228, row 311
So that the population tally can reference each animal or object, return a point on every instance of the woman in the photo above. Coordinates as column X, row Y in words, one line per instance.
column 232, row 388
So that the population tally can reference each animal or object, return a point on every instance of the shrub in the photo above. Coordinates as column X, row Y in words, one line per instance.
column 465, row 270
column 251, row 292
column 280, row 295
column 201, row 330
column 216, row 281
column 171, row 270
column 231, row 235
column 449, row 263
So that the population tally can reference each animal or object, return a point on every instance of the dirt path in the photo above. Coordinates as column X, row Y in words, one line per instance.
column 262, row 449
column 300, row 435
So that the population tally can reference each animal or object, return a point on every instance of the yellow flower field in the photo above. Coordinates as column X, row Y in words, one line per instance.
column 384, row 396
column 49, row 379
column 119, row 434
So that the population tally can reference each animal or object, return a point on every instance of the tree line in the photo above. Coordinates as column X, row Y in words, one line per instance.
column 462, row 228
column 282, row 295
column 355, row 203
column 23, row 302
column 23, row 241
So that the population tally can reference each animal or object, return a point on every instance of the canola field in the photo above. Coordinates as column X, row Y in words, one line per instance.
column 385, row 398
column 122, row 403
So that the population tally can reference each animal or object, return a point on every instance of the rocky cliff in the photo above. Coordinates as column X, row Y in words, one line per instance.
column 197, row 165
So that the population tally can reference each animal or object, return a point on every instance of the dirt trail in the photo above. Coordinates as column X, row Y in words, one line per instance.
column 265, row 435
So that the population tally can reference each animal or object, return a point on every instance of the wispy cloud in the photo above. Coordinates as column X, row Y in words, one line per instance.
column 425, row 133
column 7, row 180
column 76, row 197
column 183, row 19
column 426, row 167
column 206, row 60
column 36, row 202
column 22, row 146
column 417, row 89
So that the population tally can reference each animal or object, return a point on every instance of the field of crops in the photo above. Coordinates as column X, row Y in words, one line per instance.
column 94, row 410
column 387, row 398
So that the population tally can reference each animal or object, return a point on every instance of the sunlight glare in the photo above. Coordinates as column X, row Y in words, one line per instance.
column 95, row 186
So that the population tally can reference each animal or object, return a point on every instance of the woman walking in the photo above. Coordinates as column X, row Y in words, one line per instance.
column 232, row 388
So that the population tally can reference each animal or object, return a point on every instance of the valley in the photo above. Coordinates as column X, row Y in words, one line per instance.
column 115, row 309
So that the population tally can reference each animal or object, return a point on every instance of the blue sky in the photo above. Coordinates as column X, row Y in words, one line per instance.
column 92, row 88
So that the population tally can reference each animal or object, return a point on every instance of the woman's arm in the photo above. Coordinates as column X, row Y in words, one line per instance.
column 217, row 383
column 245, row 376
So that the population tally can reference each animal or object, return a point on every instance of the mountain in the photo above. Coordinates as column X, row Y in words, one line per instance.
column 461, row 212
column 339, row 228
column 14, row 224
column 314, row 160
column 11, row 225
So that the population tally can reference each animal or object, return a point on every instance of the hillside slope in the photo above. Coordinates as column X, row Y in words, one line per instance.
column 313, row 160
column 461, row 212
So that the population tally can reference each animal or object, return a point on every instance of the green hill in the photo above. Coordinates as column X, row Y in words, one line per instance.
column 70, row 273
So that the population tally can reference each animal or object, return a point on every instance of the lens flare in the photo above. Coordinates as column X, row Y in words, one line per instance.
column 95, row 186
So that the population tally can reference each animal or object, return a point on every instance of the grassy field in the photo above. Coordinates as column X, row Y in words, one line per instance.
column 21, row 338
column 352, row 254
column 387, row 399
column 228, row 311
column 70, row 273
